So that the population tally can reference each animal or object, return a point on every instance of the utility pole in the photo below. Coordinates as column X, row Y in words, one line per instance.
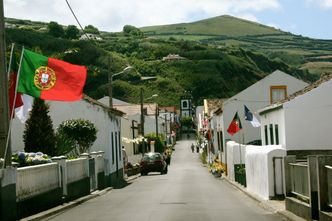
column 110, row 92
column 142, row 121
column 4, row 113
column 157, row 114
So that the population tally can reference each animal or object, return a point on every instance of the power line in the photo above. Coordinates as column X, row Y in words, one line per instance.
column 78, row 22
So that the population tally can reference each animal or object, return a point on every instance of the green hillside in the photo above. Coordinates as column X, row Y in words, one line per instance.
column 218, row 26
column 213, row 67
column 227, row 31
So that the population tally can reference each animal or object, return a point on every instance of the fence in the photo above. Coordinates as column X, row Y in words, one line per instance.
column 300, row 180
column 308, row 187
column 329, row 187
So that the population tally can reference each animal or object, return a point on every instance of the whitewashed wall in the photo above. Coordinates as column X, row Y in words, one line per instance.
column 34, row 180
column 61, row 111
column 259, row 170
column 235, row 155
column 255, row 97
column 308, row 119
column 276, row 117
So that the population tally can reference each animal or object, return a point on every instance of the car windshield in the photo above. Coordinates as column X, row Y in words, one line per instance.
column 152, row 157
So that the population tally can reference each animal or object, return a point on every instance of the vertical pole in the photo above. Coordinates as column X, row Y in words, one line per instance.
column 157, row 114
column 166, row 127
column 288, row 174
column 4, row 104
column 142, row 121
column 313, row 186
column 110, row 91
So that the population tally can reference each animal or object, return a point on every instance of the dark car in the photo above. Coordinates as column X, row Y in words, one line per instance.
column 153, row 162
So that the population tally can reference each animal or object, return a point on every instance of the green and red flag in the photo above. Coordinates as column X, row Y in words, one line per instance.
column 50, row 79
column 235, row 126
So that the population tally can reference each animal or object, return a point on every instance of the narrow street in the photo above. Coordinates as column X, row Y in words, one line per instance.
column 187, row 192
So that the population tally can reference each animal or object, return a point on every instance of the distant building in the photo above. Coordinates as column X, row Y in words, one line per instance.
column 10, row 25
column 88, row 36
column 172, row 57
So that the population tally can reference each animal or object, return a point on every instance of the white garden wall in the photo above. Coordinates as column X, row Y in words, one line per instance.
column 260, row 171
column 235, row 155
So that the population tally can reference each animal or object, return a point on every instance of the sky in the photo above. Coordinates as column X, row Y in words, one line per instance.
column 310, row 18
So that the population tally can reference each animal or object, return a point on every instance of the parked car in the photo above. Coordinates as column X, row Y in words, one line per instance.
column 153, row 162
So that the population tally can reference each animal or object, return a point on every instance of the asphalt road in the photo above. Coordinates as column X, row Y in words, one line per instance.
column 187, row 192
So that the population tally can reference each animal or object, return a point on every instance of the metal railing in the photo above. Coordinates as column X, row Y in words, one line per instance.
column 329, row 184
column 300, row 180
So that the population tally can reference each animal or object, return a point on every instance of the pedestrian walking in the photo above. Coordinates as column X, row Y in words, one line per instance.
column 197, row 148
column 192, row 147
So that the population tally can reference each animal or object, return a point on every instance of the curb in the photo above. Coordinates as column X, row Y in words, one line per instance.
column 265, row 204
column 131, row 178
column 66, row 206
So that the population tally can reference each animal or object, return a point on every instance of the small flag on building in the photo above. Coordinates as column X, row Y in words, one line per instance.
column 50, row 79
column 250, row 117
column 235, row 125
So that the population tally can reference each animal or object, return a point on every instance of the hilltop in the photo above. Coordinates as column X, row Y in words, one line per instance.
column 225, row 25
column 300, row 52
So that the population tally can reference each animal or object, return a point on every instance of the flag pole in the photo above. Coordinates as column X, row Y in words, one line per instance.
column 13, row 107
column 8, row 73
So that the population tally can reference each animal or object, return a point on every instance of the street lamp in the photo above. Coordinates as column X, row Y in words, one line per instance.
column 110, row 80
column 142, row 116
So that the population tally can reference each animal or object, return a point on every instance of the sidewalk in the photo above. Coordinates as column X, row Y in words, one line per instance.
column 275, row 206
column 61, row 208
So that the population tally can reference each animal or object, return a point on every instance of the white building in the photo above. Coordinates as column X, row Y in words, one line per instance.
column 275, row 86
column 131, row 124
column 302, row 122
column 106, row 120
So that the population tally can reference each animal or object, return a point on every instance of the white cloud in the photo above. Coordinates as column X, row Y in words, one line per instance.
column 112, row 15
column 325, row 4
column 249, row 17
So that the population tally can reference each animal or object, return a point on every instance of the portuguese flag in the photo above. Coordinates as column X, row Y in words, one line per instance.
column 50, row 79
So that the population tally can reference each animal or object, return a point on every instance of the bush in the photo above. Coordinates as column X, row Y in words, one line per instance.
column 29, row 159
column 76, row 136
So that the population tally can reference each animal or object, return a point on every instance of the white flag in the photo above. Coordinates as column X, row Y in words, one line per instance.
column 250, row 117
column 22, row 113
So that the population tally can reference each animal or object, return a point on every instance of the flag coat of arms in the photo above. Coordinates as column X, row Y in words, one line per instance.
column 235, row 125
column 248, row 115
column 50, row 79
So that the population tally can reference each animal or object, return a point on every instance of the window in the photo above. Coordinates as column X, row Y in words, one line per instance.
column 266, row 135
column 112, row 146
column 271, row 134
column 184, row 104
column 278, row 93
column 120, row 147
column 276, row 131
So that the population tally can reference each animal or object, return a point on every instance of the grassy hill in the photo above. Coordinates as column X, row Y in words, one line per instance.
column 228, row 31
column 218, row 26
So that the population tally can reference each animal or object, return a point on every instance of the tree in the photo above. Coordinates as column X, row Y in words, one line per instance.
column 91, row 29
column 129, row 30
column 55, row 30
column 39, row 135
column 79, row 134
column 72, row 32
